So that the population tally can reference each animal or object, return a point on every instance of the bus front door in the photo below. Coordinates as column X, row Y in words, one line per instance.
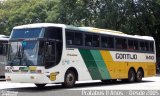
column 50, row 56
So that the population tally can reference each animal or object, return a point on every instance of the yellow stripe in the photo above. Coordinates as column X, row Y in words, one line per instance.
column 108, row 61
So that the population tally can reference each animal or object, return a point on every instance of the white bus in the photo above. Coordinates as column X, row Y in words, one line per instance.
column 46, row 53
column 3, row 54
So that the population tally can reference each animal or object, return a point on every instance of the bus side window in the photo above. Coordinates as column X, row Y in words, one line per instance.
column 132, row 45
column 135, row 45
column 107, row 42
column 69, row 38
column 5, row 48
column 121, row 43
column 88, row 40
column 144, row 46
column 110, row 41
column 104, row 43
column 147, row 45
column 96, row 40
column 78, row 39
column 1, row 49
column 151, row 46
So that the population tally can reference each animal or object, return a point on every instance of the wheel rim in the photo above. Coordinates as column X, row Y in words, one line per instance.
column 139, row 75
column 70, row 79
column 131, row 76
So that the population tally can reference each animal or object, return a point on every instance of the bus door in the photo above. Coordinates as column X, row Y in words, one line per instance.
column 50, row 54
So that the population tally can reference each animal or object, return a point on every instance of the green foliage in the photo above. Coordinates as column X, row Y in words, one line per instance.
column 18, row 12
column 130, row 16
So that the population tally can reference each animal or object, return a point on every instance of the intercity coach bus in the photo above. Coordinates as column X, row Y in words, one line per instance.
column 3, row 54
column 45, row 53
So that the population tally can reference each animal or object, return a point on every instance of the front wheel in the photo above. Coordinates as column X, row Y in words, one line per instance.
column 40, row 85
column 70, row 78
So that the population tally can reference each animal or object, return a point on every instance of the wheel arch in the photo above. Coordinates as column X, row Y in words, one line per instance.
column 132, row 68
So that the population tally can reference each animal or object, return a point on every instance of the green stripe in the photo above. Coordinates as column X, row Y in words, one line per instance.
column 91, row 64
column 100, row 64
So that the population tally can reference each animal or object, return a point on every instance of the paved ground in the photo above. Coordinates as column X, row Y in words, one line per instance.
column 150, row 83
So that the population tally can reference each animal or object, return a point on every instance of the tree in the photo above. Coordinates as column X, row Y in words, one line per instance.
column 19, row 12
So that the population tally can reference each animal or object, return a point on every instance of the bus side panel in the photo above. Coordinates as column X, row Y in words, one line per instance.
column 118, row 69
column 74, row 59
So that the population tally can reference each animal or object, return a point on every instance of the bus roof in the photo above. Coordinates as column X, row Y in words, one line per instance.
column 39, row 25
column 85, row 29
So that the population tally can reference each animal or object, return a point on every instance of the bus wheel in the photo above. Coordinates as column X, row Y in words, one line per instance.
column 70, row 79
column 40, row 85
column 131, row 76
column 139, row 75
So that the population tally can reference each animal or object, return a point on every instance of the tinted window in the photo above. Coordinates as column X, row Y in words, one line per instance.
column 107, row 42
column 151, row 45
column 69, row 38
column 144, row 46
column 78, row 38
column 27, row 33
column 132, row 45
column 121, row 43
column 88, row 40
column 1, row 49
column 53, row 33
column 74, row 38
column 96, row 40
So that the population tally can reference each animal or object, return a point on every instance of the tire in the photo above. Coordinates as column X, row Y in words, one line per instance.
column 40, row 85
column 139, row 75
column 131, row 76
column 70, row 79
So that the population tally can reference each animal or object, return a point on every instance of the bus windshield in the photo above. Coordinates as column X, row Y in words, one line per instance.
column 23, row 53
column 26, row 33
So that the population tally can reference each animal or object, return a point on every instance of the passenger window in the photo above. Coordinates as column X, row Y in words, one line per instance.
column 107, row 42
column 69, row 38
column 95, row 40
column 104, row 42
column 110, row 42
column 88, row 40
column 151, row 46
column 53, row 33
column 121, row 43
column 1, row 49
column 144, row 46
column 78, row 38
column 132, row 45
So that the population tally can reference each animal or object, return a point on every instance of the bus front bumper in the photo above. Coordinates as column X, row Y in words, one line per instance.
column 27, row 78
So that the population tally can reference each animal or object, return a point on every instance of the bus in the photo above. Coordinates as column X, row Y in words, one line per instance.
column 47, row 53
column 3, row 54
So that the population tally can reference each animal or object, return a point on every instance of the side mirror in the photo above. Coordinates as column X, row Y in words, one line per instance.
column 49, row 49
